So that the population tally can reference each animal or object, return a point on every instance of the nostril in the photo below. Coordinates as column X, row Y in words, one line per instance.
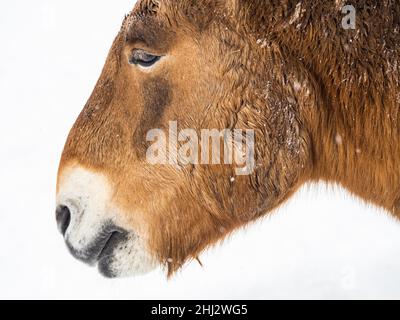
column 63, row 217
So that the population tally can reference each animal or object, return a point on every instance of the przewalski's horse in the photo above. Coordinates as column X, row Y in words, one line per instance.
column 322, row 100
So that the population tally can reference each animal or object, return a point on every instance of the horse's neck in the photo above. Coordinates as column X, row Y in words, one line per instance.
column 356, row 135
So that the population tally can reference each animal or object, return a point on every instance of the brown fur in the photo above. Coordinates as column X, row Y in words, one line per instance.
column 323, row 101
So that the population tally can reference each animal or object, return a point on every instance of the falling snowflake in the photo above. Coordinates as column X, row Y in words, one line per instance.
column 297, row 86
column 262, row 43
column 339, row 139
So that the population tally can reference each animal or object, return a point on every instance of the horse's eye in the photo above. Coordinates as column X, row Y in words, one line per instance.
column 143, row 58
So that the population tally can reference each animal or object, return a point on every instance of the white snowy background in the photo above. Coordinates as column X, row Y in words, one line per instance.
column 323, row 244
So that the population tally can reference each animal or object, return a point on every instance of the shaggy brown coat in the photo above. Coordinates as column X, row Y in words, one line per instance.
column 323, row 101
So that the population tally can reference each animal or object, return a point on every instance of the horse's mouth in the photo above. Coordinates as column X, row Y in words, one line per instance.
column 102, row 250
column 109, row 244
column 106, row 256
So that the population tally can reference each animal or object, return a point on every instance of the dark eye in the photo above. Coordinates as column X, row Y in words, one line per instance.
column 143, row 58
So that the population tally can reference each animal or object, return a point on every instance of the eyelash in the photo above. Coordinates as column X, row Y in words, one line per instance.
column 142, row 58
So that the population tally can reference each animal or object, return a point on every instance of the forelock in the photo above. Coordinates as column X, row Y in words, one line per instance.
column 199, row 13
